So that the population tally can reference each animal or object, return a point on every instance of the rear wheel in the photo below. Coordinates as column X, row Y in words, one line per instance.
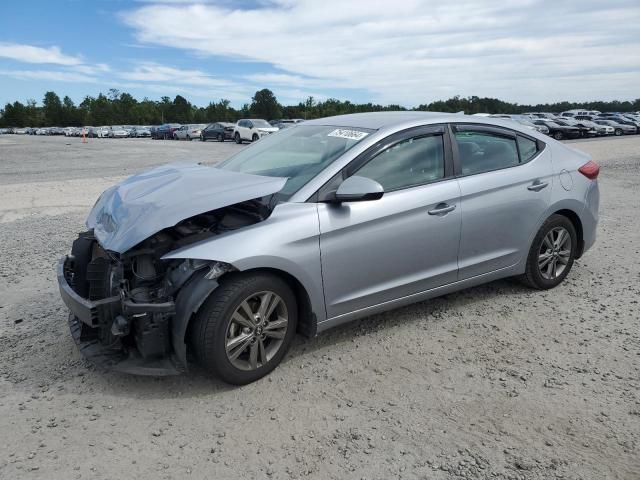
column 255, row 137
column 245, row 327
column 220, row 138
column 558, row 135
column 552, row 253
column 618, row 132
column 237, row 138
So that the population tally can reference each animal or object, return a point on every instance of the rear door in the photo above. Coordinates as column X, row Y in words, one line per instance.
column 505, row 189
column 405, row 242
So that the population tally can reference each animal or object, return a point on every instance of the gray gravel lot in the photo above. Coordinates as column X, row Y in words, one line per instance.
column 492, row 382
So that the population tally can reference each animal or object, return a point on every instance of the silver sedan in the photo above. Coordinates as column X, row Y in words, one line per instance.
column 317, row 225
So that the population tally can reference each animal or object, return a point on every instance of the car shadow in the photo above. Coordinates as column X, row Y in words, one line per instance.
column 59, row 365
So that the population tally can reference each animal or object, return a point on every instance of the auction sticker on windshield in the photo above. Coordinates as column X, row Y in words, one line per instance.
column 350, row 134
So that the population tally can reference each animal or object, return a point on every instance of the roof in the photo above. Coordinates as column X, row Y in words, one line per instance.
column 378, row 120
column 398, row 120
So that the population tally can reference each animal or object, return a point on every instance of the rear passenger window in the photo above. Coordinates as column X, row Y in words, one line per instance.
column 409, row 163
column 482, row 152
column 528, row 148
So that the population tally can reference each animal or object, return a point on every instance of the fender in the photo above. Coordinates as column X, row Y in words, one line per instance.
column 190, row 298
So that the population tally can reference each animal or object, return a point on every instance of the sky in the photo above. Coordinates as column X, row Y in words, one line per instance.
column 405, row 52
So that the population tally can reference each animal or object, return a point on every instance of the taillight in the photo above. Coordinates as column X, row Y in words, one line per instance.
column 590, row 170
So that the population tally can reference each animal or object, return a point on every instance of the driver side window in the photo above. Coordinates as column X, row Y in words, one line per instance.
column 409, row 163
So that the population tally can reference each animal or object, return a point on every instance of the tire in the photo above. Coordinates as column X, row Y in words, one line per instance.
column 202, row 139
column 255, row 138
column 538, row 276
column 237, row 138
column 558, row 135
column 220, row 137
column 188, row 138
column 617, row 132
column 214, row 329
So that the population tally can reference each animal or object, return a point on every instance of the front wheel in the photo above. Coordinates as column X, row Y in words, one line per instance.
column 618, row 132
column 558, row 135
column 552, row 253
column 245, row 327
column 220, row 138
column 255, row 137
column 237, row 138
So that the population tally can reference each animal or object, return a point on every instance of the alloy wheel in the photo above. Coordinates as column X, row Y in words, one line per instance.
column 256, row 331
column 554, row 253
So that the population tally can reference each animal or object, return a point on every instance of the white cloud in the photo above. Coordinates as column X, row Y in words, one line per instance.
column 418, row 51
column 51, row 75
column 154, row 72
column 31, row 54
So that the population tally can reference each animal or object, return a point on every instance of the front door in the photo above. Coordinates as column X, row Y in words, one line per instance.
column 404, row 243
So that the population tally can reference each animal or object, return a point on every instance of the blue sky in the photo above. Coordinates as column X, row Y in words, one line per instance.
column 527, row 51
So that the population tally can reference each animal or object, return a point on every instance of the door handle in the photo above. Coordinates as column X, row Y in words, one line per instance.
column 537, row 186
column 442, row 209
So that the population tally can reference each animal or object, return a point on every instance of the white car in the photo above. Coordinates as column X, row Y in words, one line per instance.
column 118, row 132
column 189, row 132
column 252, row 129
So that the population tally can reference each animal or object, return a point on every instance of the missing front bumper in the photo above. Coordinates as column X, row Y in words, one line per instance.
column 88, row 316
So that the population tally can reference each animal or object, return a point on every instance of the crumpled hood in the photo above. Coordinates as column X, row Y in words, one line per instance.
column 144, row 204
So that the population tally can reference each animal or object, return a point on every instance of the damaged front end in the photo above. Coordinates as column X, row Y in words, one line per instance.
column 130, row 308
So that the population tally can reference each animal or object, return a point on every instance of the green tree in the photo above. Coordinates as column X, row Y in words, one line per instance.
column 52, row 109
column 265, row 105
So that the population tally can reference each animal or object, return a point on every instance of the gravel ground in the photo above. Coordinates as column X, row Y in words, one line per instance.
column 492, row 382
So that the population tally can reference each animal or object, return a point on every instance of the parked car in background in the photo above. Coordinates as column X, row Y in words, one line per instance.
column 252, row 130
column 543, row 115
column 220, row 131
column 584, row 130
column 42, row 131
column 522, row 120
column 165, row 131
column 627, row 121
column 229, row 262
column 600, row 129
column 188, row 132
column 118, row 132
column 573, row 113
column 557, row 131
column 20, row 131
column 98, row 132
column 285, row 123
column 618, row 128
column 141, row 132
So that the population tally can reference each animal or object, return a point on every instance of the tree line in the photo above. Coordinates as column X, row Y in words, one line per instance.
column 121, row 108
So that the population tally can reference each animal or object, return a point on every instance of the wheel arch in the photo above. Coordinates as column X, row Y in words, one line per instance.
column 574, row 218
column 307, row 320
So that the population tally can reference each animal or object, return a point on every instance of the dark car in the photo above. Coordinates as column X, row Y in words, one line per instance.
column 165, row 131
column 558, row 131
column 220, row 131
column 585, row 131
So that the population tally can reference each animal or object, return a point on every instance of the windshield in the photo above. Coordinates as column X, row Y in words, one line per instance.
column 298, row 153
column 260, row 124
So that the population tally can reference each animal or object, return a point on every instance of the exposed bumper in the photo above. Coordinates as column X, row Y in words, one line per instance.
column 86, row 315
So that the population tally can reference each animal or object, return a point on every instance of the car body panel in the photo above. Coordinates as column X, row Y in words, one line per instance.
column 144, row 204
column 266, row 245
column 356, row 235
column 499, row 213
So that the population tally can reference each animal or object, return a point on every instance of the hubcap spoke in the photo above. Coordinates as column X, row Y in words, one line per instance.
column 253, row 356
column 237, row 345
column 276, row 324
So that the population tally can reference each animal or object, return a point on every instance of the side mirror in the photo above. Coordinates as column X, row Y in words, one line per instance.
column 358, row 189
